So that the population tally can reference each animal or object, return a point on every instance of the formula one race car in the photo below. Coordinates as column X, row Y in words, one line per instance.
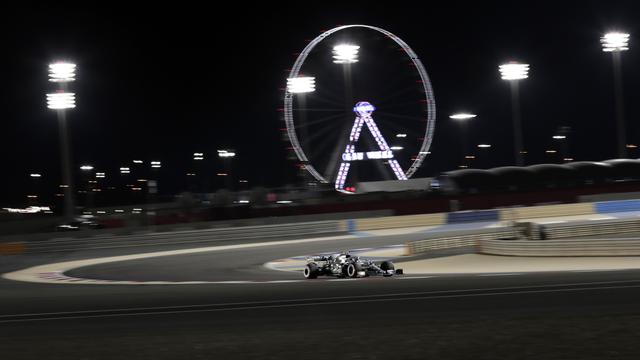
column 345, row 265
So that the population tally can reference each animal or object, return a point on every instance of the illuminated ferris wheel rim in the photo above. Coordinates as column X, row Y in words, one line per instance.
column 426, row 84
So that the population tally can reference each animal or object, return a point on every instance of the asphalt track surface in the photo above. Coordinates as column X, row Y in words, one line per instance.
column 554, row 315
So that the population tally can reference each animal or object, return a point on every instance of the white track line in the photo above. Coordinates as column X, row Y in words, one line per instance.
column 500, row 274
column 54, row 273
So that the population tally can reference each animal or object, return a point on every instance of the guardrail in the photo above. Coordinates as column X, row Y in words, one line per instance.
column 558, row 248
column 544, row 211
column 390, row 222
column 179, row 237
column 466, row 239
column 556, row 240
column 584, row 228
column 608, row 207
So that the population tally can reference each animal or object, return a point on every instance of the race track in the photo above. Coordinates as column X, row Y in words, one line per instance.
column 262, row 313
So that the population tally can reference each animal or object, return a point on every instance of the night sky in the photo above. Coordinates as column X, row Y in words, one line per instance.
column 164, row 82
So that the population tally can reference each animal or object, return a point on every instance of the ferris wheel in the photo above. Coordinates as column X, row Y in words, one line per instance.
column 359, row 106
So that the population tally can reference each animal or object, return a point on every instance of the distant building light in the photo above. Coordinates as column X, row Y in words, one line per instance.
column 396, row 148
column 226, row 154
column 559, row 137
column 401, row 135
column 86, row 167
column 462, row 116
column 35, row 175
column 484, row 146
column 29, row 210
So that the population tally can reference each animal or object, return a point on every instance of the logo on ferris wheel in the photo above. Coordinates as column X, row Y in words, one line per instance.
column 363, row 111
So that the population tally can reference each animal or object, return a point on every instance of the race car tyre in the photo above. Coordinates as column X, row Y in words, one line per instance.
column 387, row 265
column 311, row 271
column 352, row 270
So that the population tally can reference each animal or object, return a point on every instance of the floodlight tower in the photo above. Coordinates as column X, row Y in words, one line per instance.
column 344, row 55
column 616, row 43
column 301, row 86
column 513, row 72
column 463, row 118
column 62, row 73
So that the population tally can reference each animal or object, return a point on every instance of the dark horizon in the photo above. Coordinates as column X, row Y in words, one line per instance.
column 159, row 84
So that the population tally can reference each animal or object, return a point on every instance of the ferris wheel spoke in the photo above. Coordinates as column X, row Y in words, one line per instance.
column 326, row 98
column 398, row 116
column 336, row 154
column 401, row 93
column 306, row 124
column 317, row 109
column 399, row 105
column 311, row 138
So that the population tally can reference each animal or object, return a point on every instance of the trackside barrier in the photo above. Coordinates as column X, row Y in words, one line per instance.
column 504, row 214
column 256, row 233
column 390, row 222
column 608, row 207
column 467, row 239
column 564, row 247
column 533, row 212
column 560, row 240
column 587, row 228
column 472, row 216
